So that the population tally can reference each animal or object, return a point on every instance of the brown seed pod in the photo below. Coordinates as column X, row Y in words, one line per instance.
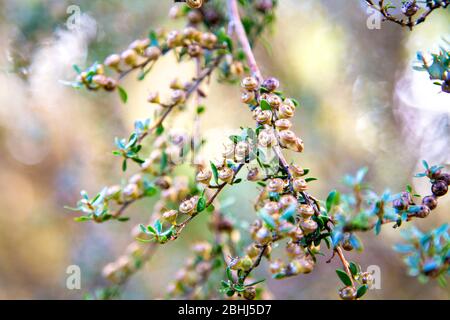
column 170, row 216
column 283, row 124
column 306, row 211
column 152, row 53
column 226, row 174
column 130, row 57
column 194, row 4
column 299, row 185
column 308, row 226
column 347, row 293
column 204, row 176
column 250, row 83
column 247, row 97
column 274, row 101
column 271, row 84
column 286, row 111
column 187, row 207
column 112, row 61
column 275, row 185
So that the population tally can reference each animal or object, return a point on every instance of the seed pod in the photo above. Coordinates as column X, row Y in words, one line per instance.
column 347, row 244
column 287, row 201
column 271, row 84
column 283, row 124
column 204, row 176
column 399, row 204
column 247, row 97
column 272, row 207
column 129, row 57
column 153, row 97
column 264, row 117
column 170, row 216
column 423, row 212
column 110, row 272
column 252, row 251
column 178, row 96
column 249, row 83
column 308, row 226
column 275, row 185
column 294, row 250
column 410, row 8
column 439, row 188
column 134, row 249
column 306, row 211
column 202, row 249
column 139, row 45
column 347, row 293
column 297, row 146
column 245, row 263
column 296, row 170
column 110, row 84
column 254, row 174
column 187, row 207
column 152, row 53
column 237, row 68
column 367, row 278
column 274, row 101
column 174, row 12
column 430, row 202
column 99, row 79
column 242, row 149
column 174, row 39
column 208, row 40
column 299, row 185
column 266, row 138
column 446, row 178
column 194, row 16
column 263, row 236
column 194, row 50
column 228, row 152
column 194, row 4
column 287, row 137
column 290, row 103
column 226, row 174
column 131, row 191
column 191, row 33
column 112, row 61
column 286, row 111
column 250, row 293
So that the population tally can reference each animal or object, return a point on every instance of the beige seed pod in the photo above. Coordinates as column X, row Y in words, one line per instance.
column 283, row 124
column 308, row 226
column 170, row 216
column 299, row 185
column 296, row 170
column 297, row 146
column 187, row 207
column 252, row 251
column 254, row 174
column 241, row 149
column 274, row 101
column 287, row 137
column 194, row 50
column 286, row 111
column 194, row 4
column 208, row 40
column 204, row 176
column 248, row 96
column 272, row 207
column 131, row 191
column 226, row 174
column 250, row 83
column 264, row 117
column 237, row 68
column 110, row 272
column 112, row 61
column 287, row 200
column 306, row 211
column 153, row 97
column 266, row 138
column 275, row 185
column 152, row 53
column 174, row 39
column 263, row 236
column 139, row 45
column 130, row 57
column 276, row 266
column 178, row 96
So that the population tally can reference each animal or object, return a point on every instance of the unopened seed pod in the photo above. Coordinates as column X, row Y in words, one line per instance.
column 249, row 83
column 204, row 176
column 226, row 174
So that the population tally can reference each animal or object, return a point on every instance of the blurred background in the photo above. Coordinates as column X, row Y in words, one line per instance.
column 362, row 105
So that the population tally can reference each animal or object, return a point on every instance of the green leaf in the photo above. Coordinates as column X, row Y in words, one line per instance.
column 332, row 200
column 229, row 274
column 264, row 105
column 122, row 94
column 361, row 291
column 344, row 277
column 201, row 204
column 124, row 165
column 123, row 219
column 215, row 172
column 310, row 179
column 255, row 283
column 200, row 109
column 353, row 268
